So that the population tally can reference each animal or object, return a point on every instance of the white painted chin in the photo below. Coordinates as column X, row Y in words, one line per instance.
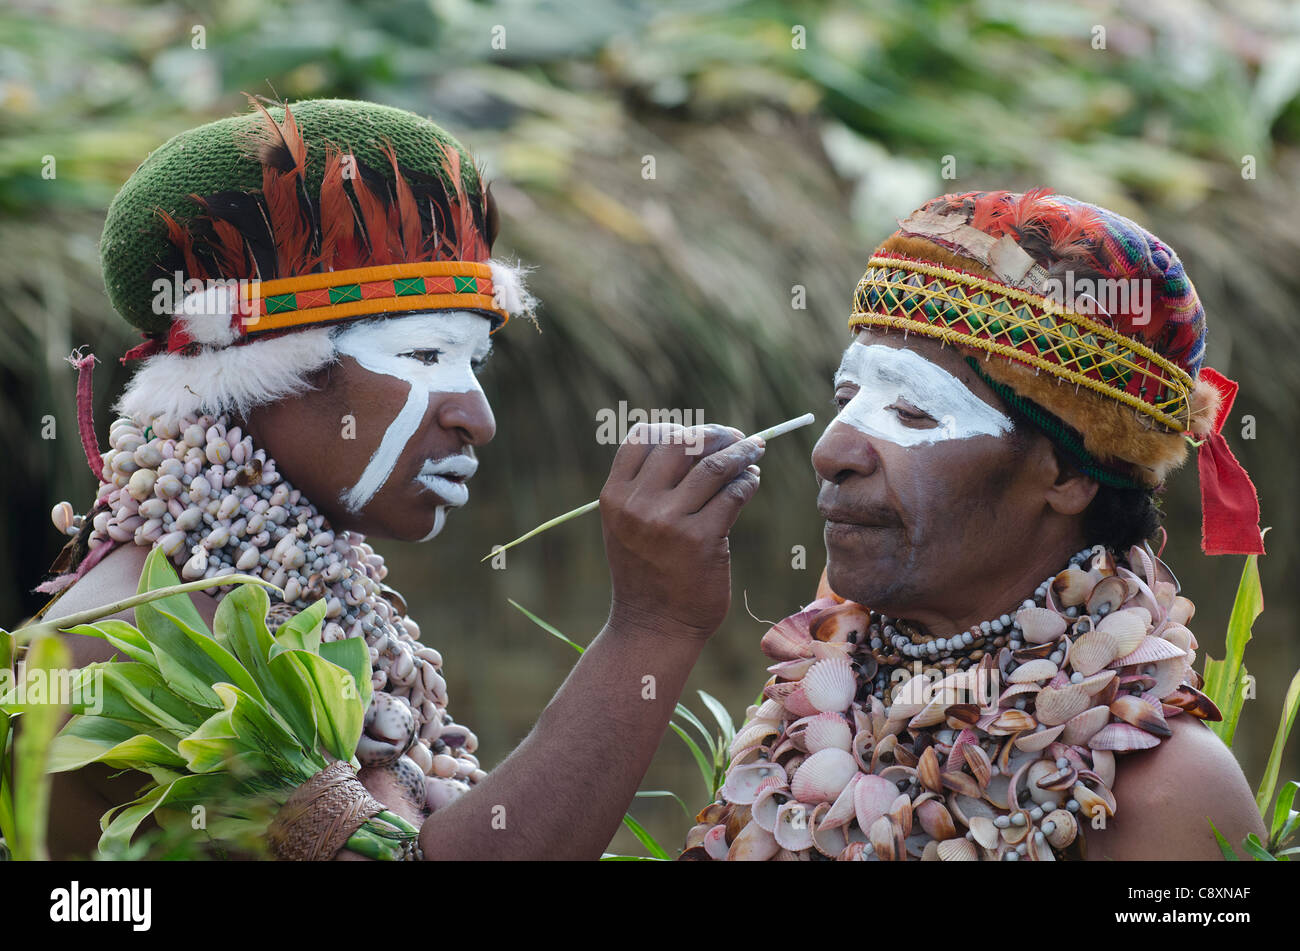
column 439, row 520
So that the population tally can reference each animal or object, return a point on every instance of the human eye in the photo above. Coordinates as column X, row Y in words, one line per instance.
column 844, row 393
column 427, row 357
column 909, row 413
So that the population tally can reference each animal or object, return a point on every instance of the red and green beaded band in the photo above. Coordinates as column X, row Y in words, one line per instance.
column 320, row 298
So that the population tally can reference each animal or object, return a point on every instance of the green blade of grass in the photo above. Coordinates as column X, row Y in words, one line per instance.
column 662, row 794
column 558, row 520
column 720, row 714
column 694, row 721
column 1256, row 848
column 546, row 627
column 31, row 782
column 1224, row 679
column 1289, row 707
column 706, row 767
column 1224, row 847
column 654, row 848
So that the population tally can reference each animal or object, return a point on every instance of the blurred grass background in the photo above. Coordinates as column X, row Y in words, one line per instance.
column 786, row 139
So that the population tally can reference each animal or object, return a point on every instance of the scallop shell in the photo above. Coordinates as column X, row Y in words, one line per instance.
column 826, row 731
column 793, row 829
column 787, row 640
column 829, row 840
column 843, row 809
column 965, row 809
column 1103, row 764
column 1141, row 714
column 841, row 623
column 715, row 843
column 744, row 782
column 792, row 669
column 1169, row 675
column 1179, row 636
column 1034, row 670
column 769, row 711
column 1094, row 684
column 1092, row 652
column 1039, row 625
column 753, row 844
column 936, row 820
column 872, row 798
column 1182, row 610
column 763, row 810
column 958, row 850
column 930, row 714
column 823, row 776
column 1127, row 626
column 1055, row 705
column 984, row 831
column 1011, row 721
column 1072, row 586
column 752, row 734
column 1017, row 690
column 796, row 702
column 1108, row 595
column 1039, row 739
column 1151, row 650
column 887, row 839
column 830, row 685
column 1081, row 727
column 978, row 761
column 912, row 695
column 1121, row 737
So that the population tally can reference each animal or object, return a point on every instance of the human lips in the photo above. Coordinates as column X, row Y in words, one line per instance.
column 446, row 478
column 846, row 518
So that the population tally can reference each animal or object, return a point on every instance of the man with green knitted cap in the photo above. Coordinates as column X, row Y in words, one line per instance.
column 317, row 294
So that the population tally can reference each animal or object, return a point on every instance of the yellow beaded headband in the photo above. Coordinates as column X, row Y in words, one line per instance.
column 959, row 307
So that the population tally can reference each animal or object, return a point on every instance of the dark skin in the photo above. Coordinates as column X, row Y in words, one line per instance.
column 666, row 511
column 950, row 533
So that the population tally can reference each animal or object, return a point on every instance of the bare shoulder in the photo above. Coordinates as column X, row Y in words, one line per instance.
column 116, row 577
column 1166, row 798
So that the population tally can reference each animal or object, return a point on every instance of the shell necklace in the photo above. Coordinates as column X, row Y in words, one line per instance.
column 1011, row 757
column 957, row 651
column 197, row 488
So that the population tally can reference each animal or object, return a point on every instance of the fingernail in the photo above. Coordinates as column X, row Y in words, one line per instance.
column 760, row 442
column 754, row 469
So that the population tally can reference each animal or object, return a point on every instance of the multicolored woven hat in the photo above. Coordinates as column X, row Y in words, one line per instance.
column 1099, row 333
column 236, row 245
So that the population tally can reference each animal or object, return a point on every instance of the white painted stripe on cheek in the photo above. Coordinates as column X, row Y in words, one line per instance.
column 390, row 449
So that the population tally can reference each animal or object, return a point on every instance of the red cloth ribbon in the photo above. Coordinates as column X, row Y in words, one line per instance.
column 1229, row 502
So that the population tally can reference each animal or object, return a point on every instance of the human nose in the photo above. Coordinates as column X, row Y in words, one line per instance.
column 841, row 452
column 470, row 415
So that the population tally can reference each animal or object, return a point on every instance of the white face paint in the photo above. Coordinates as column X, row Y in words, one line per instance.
column 893, row 383
column 433, row 353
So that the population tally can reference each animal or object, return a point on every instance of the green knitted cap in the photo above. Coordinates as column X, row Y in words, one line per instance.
column 211, row 159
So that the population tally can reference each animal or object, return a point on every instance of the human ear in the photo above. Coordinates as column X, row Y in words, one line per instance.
column 1069, row 492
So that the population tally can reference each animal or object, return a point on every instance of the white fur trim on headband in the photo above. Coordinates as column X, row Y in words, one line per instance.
column 508, row 291
column 230, row 379
column 207, row 316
